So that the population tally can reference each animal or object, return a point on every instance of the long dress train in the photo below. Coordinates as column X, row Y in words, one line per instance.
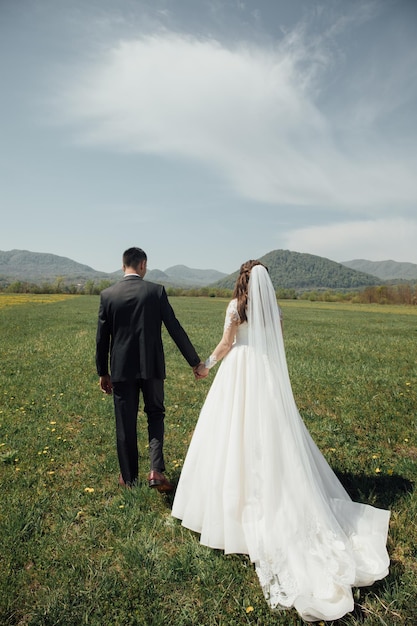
column 254, row 482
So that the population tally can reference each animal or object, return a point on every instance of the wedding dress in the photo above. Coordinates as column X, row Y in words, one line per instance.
column 254, row 482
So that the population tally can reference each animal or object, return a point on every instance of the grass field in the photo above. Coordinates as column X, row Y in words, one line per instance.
column 77, row 549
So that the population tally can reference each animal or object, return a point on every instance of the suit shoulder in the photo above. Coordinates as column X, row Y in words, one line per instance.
column 114, row 291
column 154, row 287
column 107, row 291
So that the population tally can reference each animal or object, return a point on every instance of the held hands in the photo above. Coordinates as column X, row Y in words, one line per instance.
column 200, row 371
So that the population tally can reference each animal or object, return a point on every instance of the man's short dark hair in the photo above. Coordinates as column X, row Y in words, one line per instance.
column 132, row 257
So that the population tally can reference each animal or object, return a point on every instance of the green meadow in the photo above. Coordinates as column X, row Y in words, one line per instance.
column 77, row 549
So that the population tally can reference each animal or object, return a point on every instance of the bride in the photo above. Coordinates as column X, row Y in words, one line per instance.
column 255, row 483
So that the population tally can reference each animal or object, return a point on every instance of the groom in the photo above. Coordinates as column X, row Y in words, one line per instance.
column 129, row 328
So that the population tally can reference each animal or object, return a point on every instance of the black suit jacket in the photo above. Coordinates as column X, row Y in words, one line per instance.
column 130, row 320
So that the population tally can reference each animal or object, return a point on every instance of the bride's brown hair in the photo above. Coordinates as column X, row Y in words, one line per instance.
column 241, row 287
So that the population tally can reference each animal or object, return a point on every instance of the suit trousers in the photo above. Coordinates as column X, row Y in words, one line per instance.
column 126, row 406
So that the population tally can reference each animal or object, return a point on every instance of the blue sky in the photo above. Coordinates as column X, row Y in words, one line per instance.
column 209, row 131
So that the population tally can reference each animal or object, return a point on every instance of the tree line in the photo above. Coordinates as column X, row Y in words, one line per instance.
column 402, row 293
column 59, row 285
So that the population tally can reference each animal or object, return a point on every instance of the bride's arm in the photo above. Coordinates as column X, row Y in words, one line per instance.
column 224, row 346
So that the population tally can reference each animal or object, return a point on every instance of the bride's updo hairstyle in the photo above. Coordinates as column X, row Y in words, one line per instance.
column 241, row 287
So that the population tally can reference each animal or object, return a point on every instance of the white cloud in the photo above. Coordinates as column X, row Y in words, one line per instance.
column 248, row 111
column 373, row 240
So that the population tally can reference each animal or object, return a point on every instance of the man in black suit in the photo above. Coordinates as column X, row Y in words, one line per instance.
column 129, row 328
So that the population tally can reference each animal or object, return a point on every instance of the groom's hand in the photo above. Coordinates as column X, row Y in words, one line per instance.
column 105, row 384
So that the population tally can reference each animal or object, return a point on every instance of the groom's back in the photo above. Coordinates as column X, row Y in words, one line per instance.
column 134, row 314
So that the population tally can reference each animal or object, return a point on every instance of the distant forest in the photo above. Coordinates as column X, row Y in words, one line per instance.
column 377, row 294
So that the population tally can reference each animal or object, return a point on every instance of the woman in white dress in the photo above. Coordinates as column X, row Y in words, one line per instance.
column 255, row 483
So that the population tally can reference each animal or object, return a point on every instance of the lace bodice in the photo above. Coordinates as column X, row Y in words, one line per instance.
column 232, row 316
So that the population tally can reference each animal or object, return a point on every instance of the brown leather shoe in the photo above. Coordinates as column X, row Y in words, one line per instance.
column 159, row 481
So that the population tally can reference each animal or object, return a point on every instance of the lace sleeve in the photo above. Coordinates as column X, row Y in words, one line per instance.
column 232, row 314
column 230, row 324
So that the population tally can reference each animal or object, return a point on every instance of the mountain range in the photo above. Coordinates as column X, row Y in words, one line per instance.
column 288, row 270
column 386, row 270
column 38, row 267
column 184, row 276
column 301, row 271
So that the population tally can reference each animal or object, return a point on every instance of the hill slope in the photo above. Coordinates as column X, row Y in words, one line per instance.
column 386, row 270
column 39, row 266
column 184, row 277
column 296, row 270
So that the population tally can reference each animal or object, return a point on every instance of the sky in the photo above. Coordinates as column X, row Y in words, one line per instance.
column 208, row 132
